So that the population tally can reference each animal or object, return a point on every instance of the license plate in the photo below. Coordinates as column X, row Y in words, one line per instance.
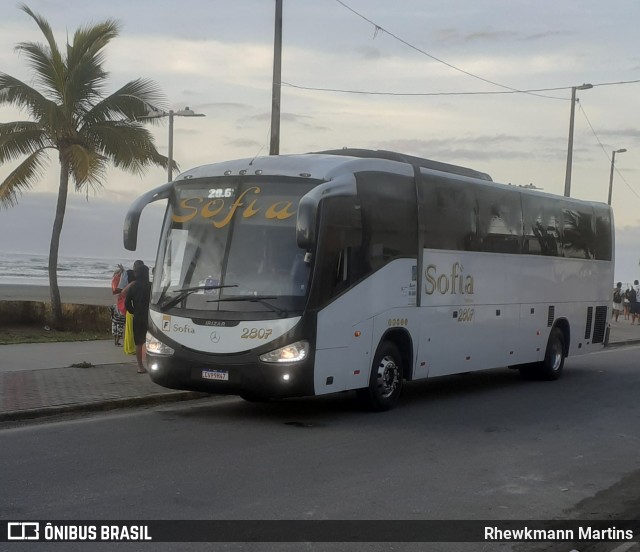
column 215, row 375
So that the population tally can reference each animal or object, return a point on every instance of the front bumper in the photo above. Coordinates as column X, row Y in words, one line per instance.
column 247, row 375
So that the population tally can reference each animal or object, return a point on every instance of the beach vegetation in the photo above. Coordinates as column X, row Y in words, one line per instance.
column 72, row 117
column 16, row 334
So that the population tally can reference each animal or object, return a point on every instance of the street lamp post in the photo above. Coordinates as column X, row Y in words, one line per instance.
column 567, row 179
column 613, row 162
column 156, row 114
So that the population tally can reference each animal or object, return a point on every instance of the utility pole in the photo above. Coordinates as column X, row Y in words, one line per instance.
column 274, row 149
column 567, row 178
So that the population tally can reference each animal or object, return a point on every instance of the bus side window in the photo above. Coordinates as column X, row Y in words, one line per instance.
column 340, row 238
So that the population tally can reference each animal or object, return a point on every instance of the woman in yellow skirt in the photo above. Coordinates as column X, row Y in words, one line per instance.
column 129, row 344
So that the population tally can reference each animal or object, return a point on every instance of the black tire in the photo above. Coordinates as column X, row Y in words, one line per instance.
column 385, row 381
column 551, row 367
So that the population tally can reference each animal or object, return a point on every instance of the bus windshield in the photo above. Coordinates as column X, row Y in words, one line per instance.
column 230, row 244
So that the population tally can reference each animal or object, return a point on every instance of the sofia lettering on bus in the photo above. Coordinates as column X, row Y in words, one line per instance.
column 451, row 282
column 220, row 212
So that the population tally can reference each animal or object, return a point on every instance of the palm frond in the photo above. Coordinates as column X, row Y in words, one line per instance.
column 85, row 61
column 47, row 62
column 89, row 41
column 21, row 138
column 128, row 145
column 47, row 73
column 22, row 178
column 47, row 32
column 133, row 101
column 17, row 93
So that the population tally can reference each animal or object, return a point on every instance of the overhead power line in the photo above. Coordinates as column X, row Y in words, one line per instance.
column 379, row 28
column 476, row 93
column 606, row 153
column 508, row 89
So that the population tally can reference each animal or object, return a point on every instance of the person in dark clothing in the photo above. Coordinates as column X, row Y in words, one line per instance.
column 137, row 303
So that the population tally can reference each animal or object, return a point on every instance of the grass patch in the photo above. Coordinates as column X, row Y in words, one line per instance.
column 38, row 334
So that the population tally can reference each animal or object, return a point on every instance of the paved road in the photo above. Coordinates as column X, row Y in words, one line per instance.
column 484, row 445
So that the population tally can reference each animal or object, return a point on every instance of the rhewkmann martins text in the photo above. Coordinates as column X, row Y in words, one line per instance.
column 584, row 533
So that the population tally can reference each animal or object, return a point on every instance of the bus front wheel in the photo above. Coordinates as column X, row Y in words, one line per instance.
column 551, row 367
column 385, row 381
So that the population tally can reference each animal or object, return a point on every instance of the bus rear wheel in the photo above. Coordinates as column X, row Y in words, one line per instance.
column 385, row 381
column 551, row 367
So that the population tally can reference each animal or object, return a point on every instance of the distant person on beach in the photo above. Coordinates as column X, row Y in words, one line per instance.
column 137, row 303
column 118, row 310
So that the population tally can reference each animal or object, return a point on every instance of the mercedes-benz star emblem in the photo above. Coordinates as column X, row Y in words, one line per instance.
column 215, row 337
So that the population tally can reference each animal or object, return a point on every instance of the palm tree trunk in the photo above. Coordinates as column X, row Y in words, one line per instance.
column 56, row 304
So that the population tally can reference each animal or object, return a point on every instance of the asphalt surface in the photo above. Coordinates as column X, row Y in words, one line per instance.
column 45, row 379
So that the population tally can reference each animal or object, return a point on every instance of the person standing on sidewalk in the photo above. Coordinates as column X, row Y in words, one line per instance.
column 117, row 310
column 617, row 301
column 137, row 303
column 634, row 306
column 625, row 303
column 126, row 283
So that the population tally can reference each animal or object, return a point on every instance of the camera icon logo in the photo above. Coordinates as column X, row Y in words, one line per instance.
column 23, row 530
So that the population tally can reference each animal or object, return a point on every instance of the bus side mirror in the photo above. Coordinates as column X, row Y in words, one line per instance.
column 306, row 222
column 132, row 219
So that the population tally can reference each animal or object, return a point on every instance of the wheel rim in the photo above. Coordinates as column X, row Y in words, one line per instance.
column 555, row 358
column 388, row 376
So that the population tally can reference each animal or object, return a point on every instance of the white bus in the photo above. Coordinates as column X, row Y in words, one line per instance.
column 310, row 274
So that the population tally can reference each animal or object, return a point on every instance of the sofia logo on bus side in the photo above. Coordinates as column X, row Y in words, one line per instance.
column 192, row 206
column 450, row 282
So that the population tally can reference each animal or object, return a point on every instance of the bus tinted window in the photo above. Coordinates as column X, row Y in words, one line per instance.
column 542, row 226
column 603, row 234
column 499, row 220
column 389, row 217
column 578, row 238
column 449, row 214
column 470, row 217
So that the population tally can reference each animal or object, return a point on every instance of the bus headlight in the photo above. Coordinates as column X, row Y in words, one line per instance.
column 156, row 347
column 291, row 353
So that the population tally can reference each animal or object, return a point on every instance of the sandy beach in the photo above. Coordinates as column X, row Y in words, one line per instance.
column 78, row 295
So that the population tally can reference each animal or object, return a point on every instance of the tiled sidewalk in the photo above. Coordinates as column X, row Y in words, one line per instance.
column 34, row 393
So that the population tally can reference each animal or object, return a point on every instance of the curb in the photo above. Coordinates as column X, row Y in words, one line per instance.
column 615, row 344
column 99, row 406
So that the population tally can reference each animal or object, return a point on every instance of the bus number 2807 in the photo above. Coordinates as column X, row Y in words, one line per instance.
column 256, row 333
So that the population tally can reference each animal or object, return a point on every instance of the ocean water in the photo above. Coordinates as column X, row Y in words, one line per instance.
column 28, row 269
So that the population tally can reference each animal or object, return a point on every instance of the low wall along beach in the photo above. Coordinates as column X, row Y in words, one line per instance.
column 83, row 308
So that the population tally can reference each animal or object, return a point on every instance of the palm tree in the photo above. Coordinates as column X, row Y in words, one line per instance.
column 72, row 115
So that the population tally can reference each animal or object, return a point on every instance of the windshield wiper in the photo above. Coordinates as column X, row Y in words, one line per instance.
column 185, row 292
column 254, row 299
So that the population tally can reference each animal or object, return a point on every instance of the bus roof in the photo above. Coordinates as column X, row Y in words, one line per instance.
column 326, row 164
column 412, row 160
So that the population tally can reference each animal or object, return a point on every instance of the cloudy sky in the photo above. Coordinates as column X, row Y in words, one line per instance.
column 436, row 62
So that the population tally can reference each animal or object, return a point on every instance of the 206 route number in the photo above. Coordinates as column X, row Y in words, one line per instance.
column 256, row 333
